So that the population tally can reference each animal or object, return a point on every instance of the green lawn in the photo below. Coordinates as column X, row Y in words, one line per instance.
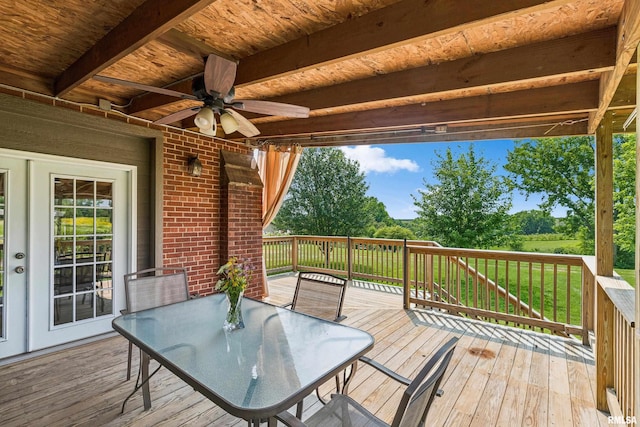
column 551, row 246
column 627, row 274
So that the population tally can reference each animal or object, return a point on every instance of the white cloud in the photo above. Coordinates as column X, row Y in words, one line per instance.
column 374, row 159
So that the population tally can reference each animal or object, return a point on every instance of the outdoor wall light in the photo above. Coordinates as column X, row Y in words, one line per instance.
column 194, row 166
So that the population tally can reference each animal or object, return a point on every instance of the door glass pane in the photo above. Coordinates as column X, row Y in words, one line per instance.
column 103, row 195
column 83, row 240
column 2, row 236
column 63, row 192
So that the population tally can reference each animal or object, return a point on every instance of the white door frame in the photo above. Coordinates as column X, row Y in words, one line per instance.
column 131, row 198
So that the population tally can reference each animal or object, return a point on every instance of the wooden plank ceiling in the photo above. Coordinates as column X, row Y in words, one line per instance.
column 371, row 71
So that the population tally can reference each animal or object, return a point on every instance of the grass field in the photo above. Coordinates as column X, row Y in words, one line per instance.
column 627, row 274
column 551, row 246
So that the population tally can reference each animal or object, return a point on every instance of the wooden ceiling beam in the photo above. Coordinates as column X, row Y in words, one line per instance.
column 22, row 79
column 148, row 21
column 407, row 21
column 628, row 39
column 547, row 126
column 577, row 97
column 583, row 53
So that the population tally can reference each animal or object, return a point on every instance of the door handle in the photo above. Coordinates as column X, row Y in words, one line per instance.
column 19, row 269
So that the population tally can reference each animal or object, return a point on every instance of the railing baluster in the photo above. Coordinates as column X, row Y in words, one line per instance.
column 555, row 292
column 506, row 286
column 530, row 291
column 542, row 289
column 568, row 319
column 495, row 280
column 518, row 289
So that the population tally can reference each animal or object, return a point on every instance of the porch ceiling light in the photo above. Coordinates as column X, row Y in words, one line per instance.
column 229, row 123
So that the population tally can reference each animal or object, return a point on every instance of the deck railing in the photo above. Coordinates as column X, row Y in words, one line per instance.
column 550, row 292
column 615, row 348
column 541, row 291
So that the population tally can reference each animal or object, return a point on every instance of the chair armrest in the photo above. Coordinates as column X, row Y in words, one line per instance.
column 388, row 372
column 289, row 420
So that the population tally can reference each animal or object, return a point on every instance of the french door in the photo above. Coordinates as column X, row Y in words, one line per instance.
column 66, row 244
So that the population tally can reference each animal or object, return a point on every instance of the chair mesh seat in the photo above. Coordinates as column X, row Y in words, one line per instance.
column 320, row 295
column 342, row 408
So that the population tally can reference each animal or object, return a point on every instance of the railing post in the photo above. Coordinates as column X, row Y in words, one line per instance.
column 406, row 280
column 349, row 259
column 604, row 346
column 294, row 253
column 588, row 302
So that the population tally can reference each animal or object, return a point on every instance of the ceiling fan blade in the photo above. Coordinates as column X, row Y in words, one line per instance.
column 245, row 127
column 144, row 87
column 219, row 75
column 177, row 116
column 271, row 108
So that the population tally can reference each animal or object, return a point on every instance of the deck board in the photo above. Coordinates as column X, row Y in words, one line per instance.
column 499, row 376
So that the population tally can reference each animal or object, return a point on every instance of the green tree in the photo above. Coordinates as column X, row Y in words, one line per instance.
column 624, row 166
column 468, row 206
column 533, row 222
column 377, row 211
column 561, row 169
column 326, row 197
column 394, row 232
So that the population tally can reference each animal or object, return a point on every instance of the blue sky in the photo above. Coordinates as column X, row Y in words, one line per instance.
column 396, row 171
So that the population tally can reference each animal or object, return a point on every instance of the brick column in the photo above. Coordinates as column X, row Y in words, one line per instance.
column 241, row 217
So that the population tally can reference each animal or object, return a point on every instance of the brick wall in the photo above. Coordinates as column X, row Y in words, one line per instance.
column 244, row 225
column 203, row 226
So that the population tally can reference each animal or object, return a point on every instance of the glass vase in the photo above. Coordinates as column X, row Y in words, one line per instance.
column 233, row 320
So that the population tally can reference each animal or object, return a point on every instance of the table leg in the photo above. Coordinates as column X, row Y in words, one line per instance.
column 146, row 394
column 348, row 378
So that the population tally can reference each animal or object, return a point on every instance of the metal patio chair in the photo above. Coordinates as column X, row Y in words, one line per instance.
column 414, row 405
column 153, row 287
column 320, row 295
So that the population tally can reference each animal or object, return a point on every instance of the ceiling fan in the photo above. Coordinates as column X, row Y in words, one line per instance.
column 214, row 88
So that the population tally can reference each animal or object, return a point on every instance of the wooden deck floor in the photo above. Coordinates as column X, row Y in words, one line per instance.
column 499, row 376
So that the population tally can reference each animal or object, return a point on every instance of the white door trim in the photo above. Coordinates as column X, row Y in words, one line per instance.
column 131, row 214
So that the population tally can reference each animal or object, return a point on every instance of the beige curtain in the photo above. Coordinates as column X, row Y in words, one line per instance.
column 277, row 166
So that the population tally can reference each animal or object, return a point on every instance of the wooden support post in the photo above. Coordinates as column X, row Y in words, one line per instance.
column 604, row 259
column 588, row 303
column 604, row 197
column 637, row 250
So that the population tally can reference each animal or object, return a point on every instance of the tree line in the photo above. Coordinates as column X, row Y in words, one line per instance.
column 467, row 203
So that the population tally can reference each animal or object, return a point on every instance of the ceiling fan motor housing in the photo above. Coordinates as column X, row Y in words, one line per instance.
column 198, row 88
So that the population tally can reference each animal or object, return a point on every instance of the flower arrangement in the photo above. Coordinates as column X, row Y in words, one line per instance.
column 233, row 281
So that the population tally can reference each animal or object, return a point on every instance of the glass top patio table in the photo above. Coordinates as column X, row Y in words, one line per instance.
column 280, row 356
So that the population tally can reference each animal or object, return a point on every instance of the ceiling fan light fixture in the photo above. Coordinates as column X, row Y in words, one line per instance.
column 205, row 119
column 211, row 131
column 229, row 123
